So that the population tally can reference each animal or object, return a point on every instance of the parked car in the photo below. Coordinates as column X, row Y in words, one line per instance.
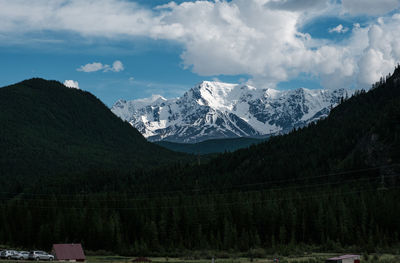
column 22, row 255
column 40, row 255
column 7, row 253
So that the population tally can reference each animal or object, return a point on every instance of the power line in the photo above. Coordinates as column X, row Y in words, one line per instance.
column 361, row 190
column 214, row 189
column 113, row 199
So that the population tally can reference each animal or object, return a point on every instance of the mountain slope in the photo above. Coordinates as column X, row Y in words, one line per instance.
column 47, row 128
column 363, row 132
column 213, row 110
column 211, row 146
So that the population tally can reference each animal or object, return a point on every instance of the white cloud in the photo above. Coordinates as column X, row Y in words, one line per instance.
column 383, row 51
column 370, row 7
column 71, row 84
column 260, row 38
column 294, row 5
column 90, row 17
column 339, row 29
column 248, row 37
column 237, row 37
column 91, row 67
column 117, row 66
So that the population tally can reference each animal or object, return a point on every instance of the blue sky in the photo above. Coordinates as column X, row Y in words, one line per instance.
column 166, row 50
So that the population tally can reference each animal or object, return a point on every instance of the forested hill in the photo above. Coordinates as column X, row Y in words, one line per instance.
column 49, row 129
column 362, row 132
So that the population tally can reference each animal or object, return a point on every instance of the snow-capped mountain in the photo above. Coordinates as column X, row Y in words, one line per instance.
column 221, row 110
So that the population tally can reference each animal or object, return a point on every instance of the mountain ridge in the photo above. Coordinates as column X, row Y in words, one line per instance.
column 213, row 110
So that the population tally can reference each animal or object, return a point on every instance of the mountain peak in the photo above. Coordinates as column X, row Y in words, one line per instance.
column 214, row 86
column 214, row 82
column 154, row 98
column 213, row 109
column 222, row 85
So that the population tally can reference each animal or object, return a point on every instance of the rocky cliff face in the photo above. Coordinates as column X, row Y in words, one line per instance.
column 213, row 110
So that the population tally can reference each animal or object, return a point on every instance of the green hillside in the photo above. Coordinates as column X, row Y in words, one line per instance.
column 48, row 129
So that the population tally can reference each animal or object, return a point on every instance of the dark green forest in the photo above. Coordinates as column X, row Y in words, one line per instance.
column 47, row 129
column 211, row 146
column 330, row 186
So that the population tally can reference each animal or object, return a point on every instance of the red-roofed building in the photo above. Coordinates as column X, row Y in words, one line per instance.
column 68, row 252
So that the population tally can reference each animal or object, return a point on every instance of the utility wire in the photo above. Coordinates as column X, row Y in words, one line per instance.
column 212, row 189
column 169, row 198
column 216, row 204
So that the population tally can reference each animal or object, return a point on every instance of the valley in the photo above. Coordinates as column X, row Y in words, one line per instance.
column 276, row 194
column 200, row 131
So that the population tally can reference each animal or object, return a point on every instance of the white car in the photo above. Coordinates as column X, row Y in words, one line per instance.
column 7, row 254
column 40, row 255
column 22, row 255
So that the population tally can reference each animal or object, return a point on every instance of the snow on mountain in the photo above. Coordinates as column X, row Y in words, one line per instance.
column 222, row 110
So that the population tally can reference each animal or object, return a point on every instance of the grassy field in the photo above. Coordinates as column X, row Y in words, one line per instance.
column 309, row 258
column 312, row 258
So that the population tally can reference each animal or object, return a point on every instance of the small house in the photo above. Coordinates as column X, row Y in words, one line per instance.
column 345, row 259
column 68, row 252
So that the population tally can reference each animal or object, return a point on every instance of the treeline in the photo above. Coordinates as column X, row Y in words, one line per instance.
column 357, row 215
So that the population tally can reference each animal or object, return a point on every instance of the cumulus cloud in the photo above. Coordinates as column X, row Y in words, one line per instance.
column 248, row 37
column 91, row 67
column 370, row 7
column 295, row 5
column 261, row 38
column 71, row 84
column 117, row 66
column 90, row 17
column 383, row 51
column 339, row 29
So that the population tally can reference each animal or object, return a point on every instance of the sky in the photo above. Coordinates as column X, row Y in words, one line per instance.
column 126, row 49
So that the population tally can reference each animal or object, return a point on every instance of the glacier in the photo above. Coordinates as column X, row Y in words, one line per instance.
column 213, row 110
